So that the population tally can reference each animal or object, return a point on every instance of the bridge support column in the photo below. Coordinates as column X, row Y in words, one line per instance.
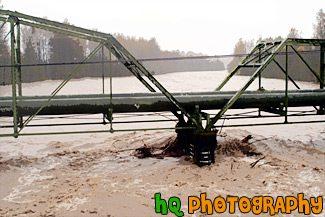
column 195, row 143
column 202, row 148
column 184, row 138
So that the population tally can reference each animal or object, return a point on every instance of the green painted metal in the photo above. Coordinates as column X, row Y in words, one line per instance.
column 322, row 74
column 265, row 53
column 305, row 42
column 115, row 43
column 55, row 24
column 259, row 77
column 53, row 94
column 103, row 76
column 110, row 109
column 259, row 58
column 103, row 70
column 286, row 102
column 322, row 66
column 103, row 36
column 252, row 78
column 13, row 76
column 142, row 69
column 249, row 58
column 155, row 129
column 18, row 56
column 269, row 57
column 152, row 102
column 62, row 31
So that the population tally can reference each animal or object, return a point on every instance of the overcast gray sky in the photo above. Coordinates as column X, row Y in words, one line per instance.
column 208, row 26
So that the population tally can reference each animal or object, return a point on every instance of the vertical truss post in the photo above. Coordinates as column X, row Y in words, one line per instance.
column 133, row 62
column 239, row 93
column 110, row 89
column 18, row 57
column 103, row 78
column 322, row 73
column 13, row 76
column 322, row 65
column 286, row 87
column 70, row 76
column 259, row 77
column 103, row 70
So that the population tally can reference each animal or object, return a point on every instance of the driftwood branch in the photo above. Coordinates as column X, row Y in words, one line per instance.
column 254, row 163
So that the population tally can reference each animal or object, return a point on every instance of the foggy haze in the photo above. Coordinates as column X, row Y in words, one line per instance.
column 210, row 27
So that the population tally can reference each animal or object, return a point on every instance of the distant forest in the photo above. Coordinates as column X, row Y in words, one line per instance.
column 44, row 47
column 297, row 69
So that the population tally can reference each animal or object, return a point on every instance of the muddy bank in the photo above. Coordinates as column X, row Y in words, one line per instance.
column 106, row 179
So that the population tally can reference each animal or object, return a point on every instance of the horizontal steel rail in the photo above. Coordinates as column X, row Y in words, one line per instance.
column 154, row 102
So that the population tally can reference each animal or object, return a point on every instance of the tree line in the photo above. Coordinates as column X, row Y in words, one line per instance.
column 297, row 69
column 44, row 47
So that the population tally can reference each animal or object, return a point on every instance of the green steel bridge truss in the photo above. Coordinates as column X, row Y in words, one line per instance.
column 258, row 59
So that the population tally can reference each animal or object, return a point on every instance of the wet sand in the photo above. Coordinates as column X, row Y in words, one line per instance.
column 111, row 181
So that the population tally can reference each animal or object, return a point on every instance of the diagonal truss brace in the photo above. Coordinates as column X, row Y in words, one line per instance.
column 252, row 78
column 136, row 64
column 63, row 83
column 117, row 49
column 261, row 66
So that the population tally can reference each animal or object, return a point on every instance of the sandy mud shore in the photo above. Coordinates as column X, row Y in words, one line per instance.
column 106, row 179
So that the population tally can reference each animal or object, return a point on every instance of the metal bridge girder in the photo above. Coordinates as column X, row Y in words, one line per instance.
column 136, row 68
column 257, row 55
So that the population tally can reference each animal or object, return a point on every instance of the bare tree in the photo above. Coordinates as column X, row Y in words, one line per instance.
column 319, row 27
column 293, row 33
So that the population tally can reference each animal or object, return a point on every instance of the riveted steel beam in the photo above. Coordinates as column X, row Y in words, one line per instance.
column 241, row 91
column 155, row 102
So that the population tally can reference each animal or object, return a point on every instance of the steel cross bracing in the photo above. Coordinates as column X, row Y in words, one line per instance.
column 108, row 40
column 258, row 59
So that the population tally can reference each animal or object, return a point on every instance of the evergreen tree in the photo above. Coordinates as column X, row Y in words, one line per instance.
column 5, row 73
column 31, row 73
column 240, row 48
column 64, row 49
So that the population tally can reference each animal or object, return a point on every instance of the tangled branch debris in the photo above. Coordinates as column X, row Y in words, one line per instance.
column 167, row 150
column 236, row 147
column 233, row 147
